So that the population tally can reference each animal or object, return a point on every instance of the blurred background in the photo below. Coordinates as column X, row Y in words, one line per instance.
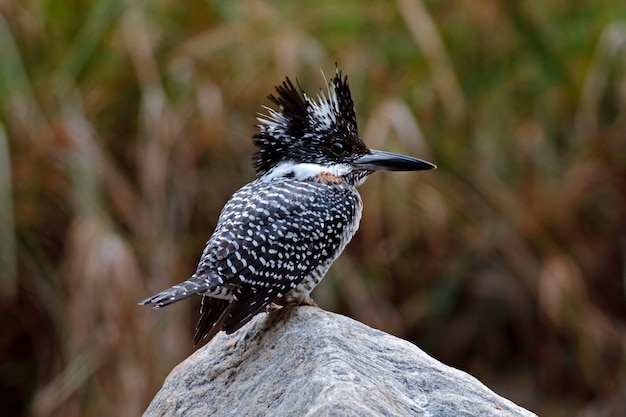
column 125, row 126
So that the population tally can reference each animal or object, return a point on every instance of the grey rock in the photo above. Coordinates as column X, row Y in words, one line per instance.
column 305, row 361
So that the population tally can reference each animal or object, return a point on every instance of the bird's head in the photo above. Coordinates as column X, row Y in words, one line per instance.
column 306, row 137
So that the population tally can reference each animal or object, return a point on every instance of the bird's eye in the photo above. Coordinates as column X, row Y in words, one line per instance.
column 338, row 148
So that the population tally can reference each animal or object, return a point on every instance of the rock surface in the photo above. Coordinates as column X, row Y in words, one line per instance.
column 308, row 362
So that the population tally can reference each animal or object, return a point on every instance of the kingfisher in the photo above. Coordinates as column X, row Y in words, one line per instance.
column 277, row 236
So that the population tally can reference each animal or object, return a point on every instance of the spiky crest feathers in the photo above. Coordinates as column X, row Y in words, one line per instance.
column 299, row 120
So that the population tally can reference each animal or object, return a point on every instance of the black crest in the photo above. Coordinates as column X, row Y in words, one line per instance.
column 300, row 120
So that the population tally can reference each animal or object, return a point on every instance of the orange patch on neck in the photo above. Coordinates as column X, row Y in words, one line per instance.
column 328, row 178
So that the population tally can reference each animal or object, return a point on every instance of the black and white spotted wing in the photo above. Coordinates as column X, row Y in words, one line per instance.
column 273, row 234
column 270, row 236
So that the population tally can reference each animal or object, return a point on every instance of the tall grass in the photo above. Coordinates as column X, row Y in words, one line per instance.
column 125, row 126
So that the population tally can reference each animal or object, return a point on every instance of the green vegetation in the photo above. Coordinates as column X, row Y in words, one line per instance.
column 125, row 126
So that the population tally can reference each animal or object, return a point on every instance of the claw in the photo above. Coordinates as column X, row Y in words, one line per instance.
column 307, row 302
column 273, row 307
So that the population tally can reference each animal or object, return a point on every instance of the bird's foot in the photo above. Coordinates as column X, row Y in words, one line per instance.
column 306, row 302
column 273, row 307
column 294, row 302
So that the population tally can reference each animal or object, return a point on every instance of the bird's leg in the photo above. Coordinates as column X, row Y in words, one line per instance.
column 273, row 307
column 308, row 301
column 290, row 301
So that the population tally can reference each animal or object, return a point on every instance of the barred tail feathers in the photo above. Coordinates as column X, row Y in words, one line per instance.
column 176, row 293
column 212, row 315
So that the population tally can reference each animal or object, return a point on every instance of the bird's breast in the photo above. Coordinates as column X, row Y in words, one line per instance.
column 341, row 228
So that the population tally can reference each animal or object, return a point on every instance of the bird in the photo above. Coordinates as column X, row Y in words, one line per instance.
column 277, row 236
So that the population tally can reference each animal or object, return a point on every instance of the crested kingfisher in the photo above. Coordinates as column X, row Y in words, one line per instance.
column 277, row 236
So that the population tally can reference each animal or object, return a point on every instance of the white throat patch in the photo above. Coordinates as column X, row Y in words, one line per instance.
column 305, row 171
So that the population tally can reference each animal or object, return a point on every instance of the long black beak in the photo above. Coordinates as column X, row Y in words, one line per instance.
column 387, row 161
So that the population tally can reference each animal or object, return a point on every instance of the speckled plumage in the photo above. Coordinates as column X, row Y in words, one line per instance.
column 277, row 236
